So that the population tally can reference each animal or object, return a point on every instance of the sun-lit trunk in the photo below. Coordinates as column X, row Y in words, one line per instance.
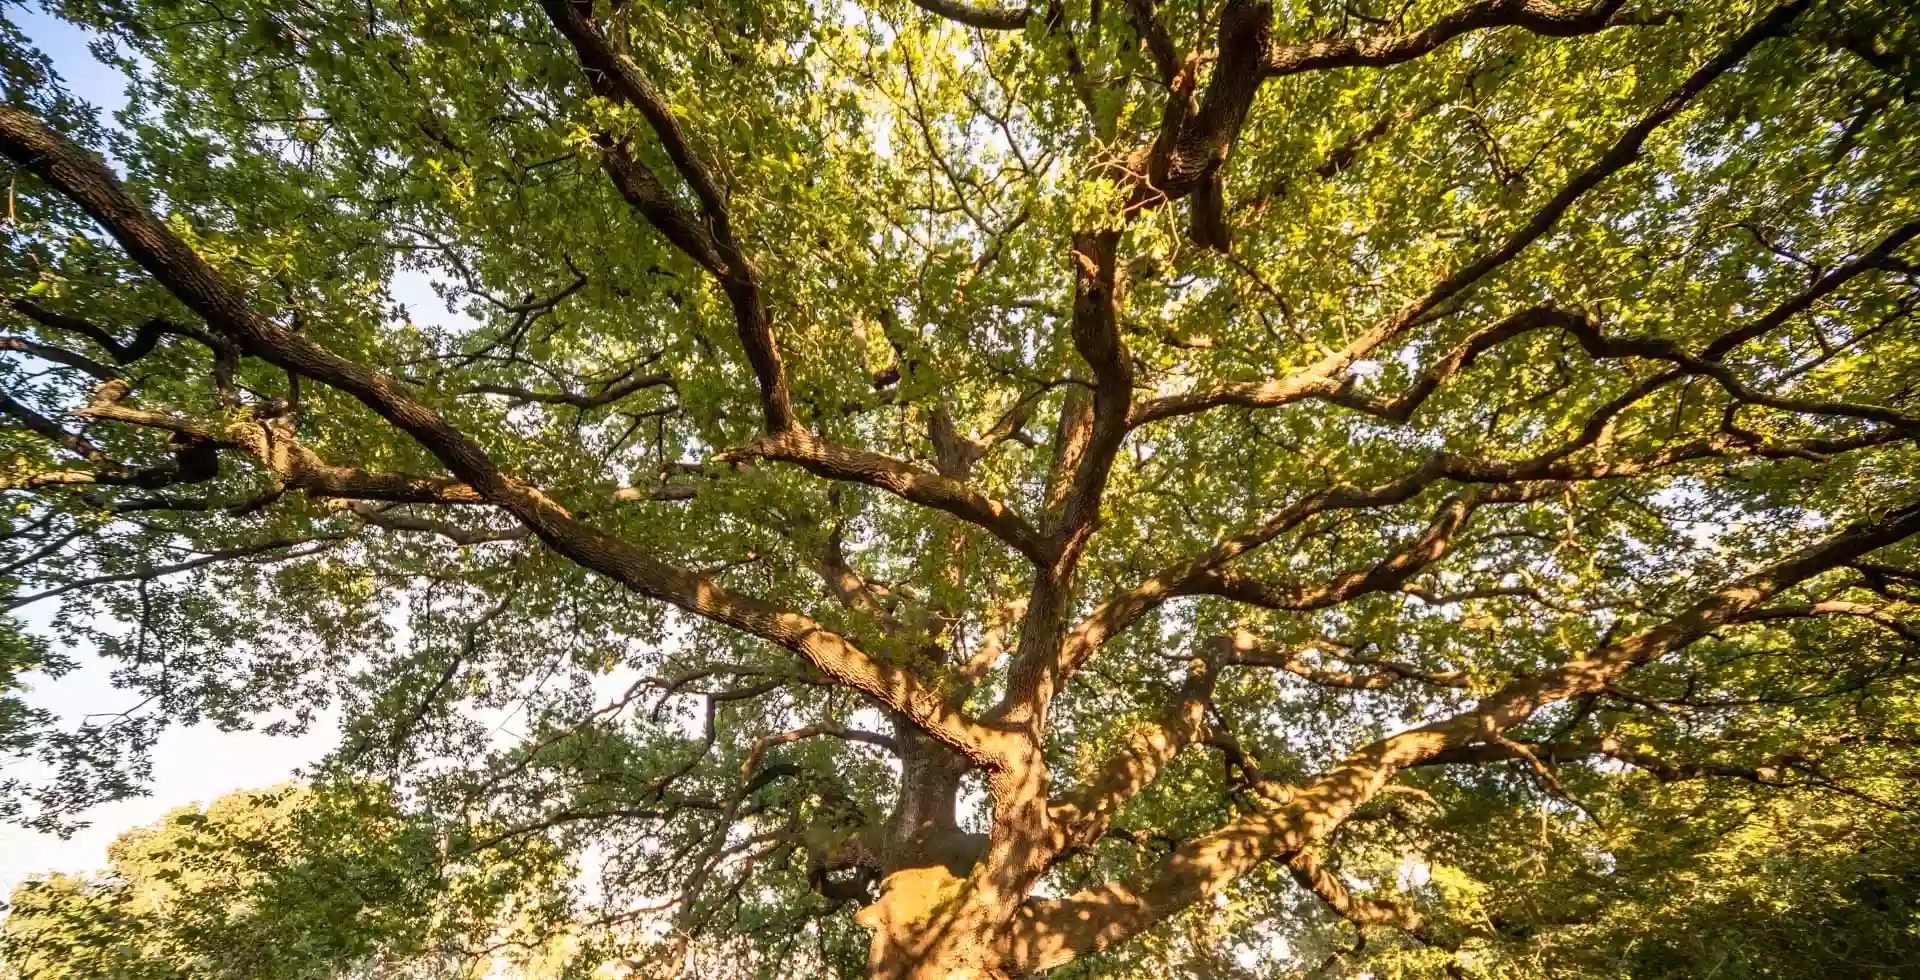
column 921, row 931
column 921, row 928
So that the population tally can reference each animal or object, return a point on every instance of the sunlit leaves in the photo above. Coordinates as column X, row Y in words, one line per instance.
column 419, row 186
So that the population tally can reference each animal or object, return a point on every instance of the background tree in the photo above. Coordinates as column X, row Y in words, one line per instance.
column 287, row 882
column 942, row 490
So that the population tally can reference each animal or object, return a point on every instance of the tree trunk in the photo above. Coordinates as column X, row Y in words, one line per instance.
column 921, row 928
column 921, row 931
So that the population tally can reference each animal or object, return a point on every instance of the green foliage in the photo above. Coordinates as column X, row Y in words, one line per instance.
column 531, row 750
column 290, row 882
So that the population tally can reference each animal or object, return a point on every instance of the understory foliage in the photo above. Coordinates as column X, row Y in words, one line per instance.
column 1124, row 488
column 282, row 882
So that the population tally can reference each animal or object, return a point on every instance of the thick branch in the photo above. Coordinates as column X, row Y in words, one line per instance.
column 616, row 76
column 644, row 193
column 1327, row 886
column 921, row 486
column 983, row 17
column 59, row 355
column 1083, row 813
column 1380, row 50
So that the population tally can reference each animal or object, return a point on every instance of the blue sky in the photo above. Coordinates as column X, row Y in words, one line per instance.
column 190, row 764
column 104, row 87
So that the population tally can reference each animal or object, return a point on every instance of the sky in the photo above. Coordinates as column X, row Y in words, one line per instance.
column 190, row 764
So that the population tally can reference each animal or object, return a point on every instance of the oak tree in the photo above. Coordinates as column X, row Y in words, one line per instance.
column 944, row 490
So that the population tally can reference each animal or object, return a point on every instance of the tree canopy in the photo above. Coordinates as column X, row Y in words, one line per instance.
column 286, row 882
column 942, row 490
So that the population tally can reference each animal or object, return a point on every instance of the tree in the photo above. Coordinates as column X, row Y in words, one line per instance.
column 945, row 490
column 286, row 882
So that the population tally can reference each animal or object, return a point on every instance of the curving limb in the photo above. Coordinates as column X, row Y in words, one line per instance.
column 910, row 482
column 1380, row 50
column 982, row 16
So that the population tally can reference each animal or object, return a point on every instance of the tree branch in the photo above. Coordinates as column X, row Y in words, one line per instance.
column 1319, row 379
column 144, row 340
column 291, row 546
column 1380, row 50
column 1249, row 651
column 1385, row 576
column 616, row 76
column 606, row 396
column 985, row 18
column 1083, row 813
column 1054, row 932
column 842, row 732
column 93, row 187
column 909, row 482
column 1876, row 257
column 59, row 355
